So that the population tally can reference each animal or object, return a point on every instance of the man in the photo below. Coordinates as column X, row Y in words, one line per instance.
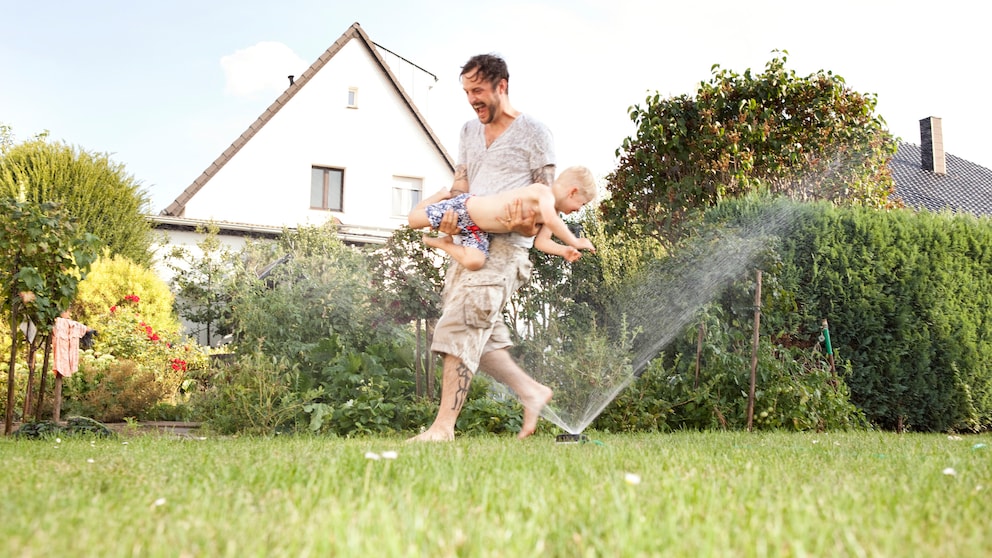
column 502, row 150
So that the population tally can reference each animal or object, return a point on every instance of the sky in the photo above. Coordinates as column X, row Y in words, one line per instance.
column 165, row 86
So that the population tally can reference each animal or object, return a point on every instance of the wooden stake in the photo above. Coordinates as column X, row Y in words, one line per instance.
column 57, row 398
column 699, row 353
column 44, row 374
column 418, row 364
column 754, row 352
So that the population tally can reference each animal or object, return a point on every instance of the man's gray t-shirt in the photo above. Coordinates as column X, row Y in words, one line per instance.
column 525, row 146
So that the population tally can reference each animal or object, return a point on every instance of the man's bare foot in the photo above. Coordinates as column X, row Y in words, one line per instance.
column 533, row 403
column 431, row 435
column 437, row 241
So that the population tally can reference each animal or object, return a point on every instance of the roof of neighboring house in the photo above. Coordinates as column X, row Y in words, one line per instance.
column 177, row 207
column 966, row 187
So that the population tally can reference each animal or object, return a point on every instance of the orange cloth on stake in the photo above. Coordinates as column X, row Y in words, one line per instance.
column 65, row 346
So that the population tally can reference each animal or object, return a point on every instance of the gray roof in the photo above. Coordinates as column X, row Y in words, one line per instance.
column 966, row 188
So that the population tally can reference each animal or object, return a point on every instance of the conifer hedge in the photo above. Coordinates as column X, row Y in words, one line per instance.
column 908, row 297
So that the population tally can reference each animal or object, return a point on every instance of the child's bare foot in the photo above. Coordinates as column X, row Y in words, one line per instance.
column 533, row 403
column 438, row 241
column 431, row 435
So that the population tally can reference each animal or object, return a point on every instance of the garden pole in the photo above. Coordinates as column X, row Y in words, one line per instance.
column 44, row 374
column 830, row 352
column 699, row 353
column 754, row 351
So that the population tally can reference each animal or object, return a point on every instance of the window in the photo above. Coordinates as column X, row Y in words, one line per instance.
column 352, row 97
column 326, row 188
column 406, row 194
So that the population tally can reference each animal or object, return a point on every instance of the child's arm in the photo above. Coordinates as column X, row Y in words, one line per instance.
column 544, row 243
column 558, row 227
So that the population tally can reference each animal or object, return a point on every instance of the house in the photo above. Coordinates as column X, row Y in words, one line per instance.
column 344, row 143
column 928, row 178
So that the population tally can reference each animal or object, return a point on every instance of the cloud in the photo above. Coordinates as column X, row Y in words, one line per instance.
column 262, row 68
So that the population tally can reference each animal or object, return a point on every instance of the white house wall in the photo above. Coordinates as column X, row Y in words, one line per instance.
column 267, row 182
column 190, row 241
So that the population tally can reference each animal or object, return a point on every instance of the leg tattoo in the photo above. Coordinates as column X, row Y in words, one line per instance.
column 464, row 381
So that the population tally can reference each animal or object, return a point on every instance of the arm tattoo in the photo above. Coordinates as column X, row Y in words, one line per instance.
column 460, row 185
column 545, row 175
column 464, row 381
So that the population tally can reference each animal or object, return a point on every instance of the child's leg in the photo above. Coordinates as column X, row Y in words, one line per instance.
column 471, row 259
column 418, row 215
column 418, row 218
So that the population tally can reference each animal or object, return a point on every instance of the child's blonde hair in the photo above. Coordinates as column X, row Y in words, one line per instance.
column 581, row 178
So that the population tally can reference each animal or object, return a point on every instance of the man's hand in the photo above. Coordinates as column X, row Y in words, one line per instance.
column 449, row 223
column 520, row 220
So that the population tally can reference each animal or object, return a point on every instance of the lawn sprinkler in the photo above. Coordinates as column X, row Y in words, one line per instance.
column 571, row 438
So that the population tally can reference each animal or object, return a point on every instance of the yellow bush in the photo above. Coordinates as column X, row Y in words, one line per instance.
column 111, row 281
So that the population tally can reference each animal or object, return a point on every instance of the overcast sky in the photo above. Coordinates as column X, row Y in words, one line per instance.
column 166, row 86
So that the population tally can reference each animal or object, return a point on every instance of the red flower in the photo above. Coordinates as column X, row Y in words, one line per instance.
column 132, row 298
column 179, row 364
column 113, row 309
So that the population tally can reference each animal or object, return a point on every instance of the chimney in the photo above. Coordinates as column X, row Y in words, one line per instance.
column 932, row 146
column 291, row 83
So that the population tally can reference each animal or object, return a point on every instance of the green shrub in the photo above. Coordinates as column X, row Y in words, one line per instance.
column 908, row 297
column 362, row 392
column 313, row 286
column 794, row 389
column 123, row 334
column 111, row 391
column 112, row 279
column 74, row 426
column 254, row 394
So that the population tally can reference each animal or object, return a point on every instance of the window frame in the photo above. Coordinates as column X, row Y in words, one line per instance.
column 326, row 187
column 405, row 183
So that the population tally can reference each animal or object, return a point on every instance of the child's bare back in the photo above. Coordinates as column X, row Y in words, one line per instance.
column 489, row 212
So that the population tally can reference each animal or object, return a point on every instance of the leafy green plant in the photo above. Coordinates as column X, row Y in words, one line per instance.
column 82, row 427
column 112, row 390
column 123, row 334
column 812, row 137
column 43, row 256
column 292, row 293
column 254, row 394
column 202, row 281
column 362, row 392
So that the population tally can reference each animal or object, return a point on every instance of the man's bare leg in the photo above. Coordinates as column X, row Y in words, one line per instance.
column 455, row 382
column 533, row 394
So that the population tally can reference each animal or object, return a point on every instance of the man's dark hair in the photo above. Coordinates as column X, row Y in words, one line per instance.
column 489, row 67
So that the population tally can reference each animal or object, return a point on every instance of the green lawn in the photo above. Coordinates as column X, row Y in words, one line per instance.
column 686, row 494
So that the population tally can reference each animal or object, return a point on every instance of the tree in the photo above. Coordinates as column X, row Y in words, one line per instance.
column 201, row 282
column 42, row 260
column 290, row 294
column 407, row 284
column 102, row 198
column 810, row 137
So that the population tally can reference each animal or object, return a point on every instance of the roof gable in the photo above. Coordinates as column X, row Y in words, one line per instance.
column 178, row 206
